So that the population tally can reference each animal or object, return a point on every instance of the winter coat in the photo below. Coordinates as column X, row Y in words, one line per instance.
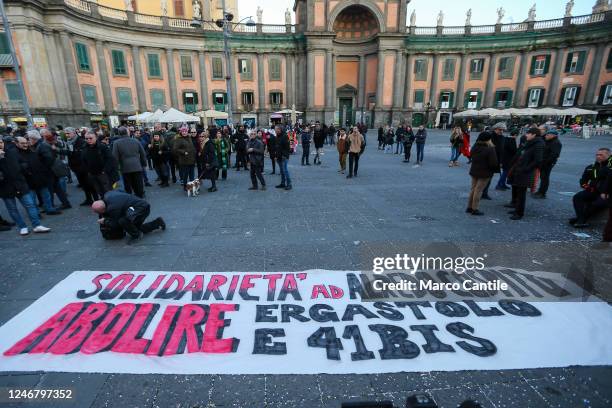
column 37, row 175
column 484, row 161
column 119, row 204
column 271, row 145
column 510, row 150
column 12, row 182
column 400, row 135
column 389, row 137
column 283, row 147
column 409, row 137
column 184, row 151
column 356, row 142
column 597, row 176
column 421, row 136
column 241, row 139
column 129, row 155
column 97, row 159
column 45, row 155
column 306, row 138
column 456, row 140
column 75, row 157
column 256, row 157
column 319, row 138
column 552, row 151
column 527, row 160
column 498, row 141
column 159, row 152
column 342, row 145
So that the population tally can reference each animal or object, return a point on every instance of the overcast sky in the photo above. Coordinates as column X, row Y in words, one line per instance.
column 483, row 11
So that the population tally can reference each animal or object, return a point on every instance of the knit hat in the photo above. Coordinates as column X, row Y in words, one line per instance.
column 484, row 137
column 552, row 132
column 499, row 125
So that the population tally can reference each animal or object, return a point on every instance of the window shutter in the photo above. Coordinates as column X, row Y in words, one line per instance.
column 533, row 64
column 602, row 92
column 509, row 101
column 581, row 61
column 466, row 99
column 541, row 100
column 577, row 96
column 496, row 98
column 568, row 61
column 563, row 90
column 440, row 100
column 510, row 67
column 546, row 64
column 479, row 100
column 451, row 100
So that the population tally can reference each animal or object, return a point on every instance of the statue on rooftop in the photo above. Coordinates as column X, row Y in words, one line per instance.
column 440, row 18
column 468, row 17
column 413, row 18
column 500, row 14
column 532, row 13
column 259, row 15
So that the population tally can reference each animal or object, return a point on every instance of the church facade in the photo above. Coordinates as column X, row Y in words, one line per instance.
column 339, row 61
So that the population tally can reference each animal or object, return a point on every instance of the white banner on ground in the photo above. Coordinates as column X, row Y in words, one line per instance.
column 294, row 323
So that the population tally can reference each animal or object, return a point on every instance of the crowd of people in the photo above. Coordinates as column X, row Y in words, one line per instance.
column 37, row 165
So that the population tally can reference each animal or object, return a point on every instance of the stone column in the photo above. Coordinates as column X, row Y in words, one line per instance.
column 380, row 79
column 519, row 91
column 103, row 73
column 361, row 92
column 289, row 99
column 551, row 98
column 334, row 89
column 310, row 80
column 459, row 97
column 261, row 86
column 141, row 95
column 590, row 95
column 433, row 89
column 71, row 73
column 172, row 78
column 204, row 97
column 233, row 89
column 488, row 99
column 328, row 79
column 408, row 81
column 398, row 88
column 58, row 76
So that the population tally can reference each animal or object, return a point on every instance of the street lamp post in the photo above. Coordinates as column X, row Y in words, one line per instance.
column 7, row 30
column 225, row 24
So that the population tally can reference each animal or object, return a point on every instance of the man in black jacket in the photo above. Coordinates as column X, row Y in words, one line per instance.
column 508, row 154
column 283, row 152
column 255, row 149
column 76, row 146
column 240, row 142
column 528, row 159
column 100, row 164
column 318, row 138
column 497, row 137
column 594, row 183
column 120, row 209
column 552, row 151
column 306, row 139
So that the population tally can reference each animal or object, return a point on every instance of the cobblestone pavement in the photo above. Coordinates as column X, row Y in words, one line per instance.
column 326, row 222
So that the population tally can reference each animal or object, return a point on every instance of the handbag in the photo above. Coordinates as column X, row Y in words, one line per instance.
column 60, row 169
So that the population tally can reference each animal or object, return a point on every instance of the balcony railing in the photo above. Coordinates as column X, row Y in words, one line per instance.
column 90, row 7
column 12, row 105
column 6, row 60
column 248, row 107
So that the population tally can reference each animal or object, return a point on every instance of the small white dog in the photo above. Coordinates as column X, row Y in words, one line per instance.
column 193, row 188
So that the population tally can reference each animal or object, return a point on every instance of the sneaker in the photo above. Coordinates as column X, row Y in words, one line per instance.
column 41, row 229
column 24, row 231
column 477, row 212
column 281, row 186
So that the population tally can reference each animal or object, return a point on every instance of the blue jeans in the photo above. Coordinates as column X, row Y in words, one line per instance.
column 186, row 174
column 455, row 153
column 389, row 148
column 420, row 149
column 399, row 147
column 46, row 198
column 502, row 178
column 29, row 203
column 284, row 171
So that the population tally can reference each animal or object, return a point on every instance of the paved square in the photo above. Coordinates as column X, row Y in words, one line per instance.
column 326, row 222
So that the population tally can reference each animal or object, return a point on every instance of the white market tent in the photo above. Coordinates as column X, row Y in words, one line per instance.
column 578, row 111
column 212, row 114
column 288, row 112
column 140, row 117
column 176, row 116
column 506, row 113
column 154, row 117
column 470, row 113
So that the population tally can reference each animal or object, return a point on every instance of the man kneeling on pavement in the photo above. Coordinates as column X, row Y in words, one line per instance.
column 120, row 211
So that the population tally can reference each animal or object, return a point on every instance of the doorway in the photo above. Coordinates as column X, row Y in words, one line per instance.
column 345, row 107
